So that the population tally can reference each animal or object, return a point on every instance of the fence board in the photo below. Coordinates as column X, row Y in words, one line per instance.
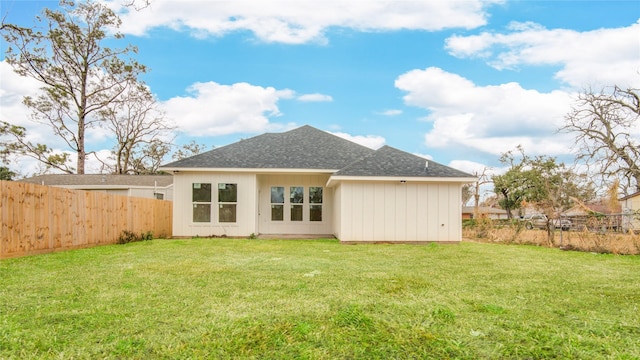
column 36, row 218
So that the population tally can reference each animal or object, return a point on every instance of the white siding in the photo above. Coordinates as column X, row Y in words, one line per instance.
column 151, row 193
column 305, row 227
column 399, row 212
column 630, row 206
column 337, row 211
column 245, row 224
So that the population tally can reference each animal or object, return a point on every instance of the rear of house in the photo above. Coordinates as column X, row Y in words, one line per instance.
column 306, row 182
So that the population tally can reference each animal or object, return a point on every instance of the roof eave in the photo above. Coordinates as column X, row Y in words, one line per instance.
column 110, row 187
column 403, row 179
column 630, row 196
column 176, row 170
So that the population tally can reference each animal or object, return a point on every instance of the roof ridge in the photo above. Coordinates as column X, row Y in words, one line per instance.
column 304, row 147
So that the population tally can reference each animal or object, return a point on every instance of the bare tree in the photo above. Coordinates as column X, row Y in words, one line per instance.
column 79, row 76
column 141, row 130
column 483, row 179
column 467, row 193
column 136, row 4
column 603, row 124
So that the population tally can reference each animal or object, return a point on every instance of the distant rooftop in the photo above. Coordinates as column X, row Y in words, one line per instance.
column 101, row 180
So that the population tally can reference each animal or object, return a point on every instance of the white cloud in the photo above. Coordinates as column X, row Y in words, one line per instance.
column 301, row 21
column 492, row 119
column 370, row 141
column 212, row 109
column 13, row 88
column 391, row 112
column 470, row 167
column 428, row 157
column 315, row 98
column 601, row 57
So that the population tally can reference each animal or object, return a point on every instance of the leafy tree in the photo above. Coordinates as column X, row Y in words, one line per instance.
column 605, row 127
column 152, row 157
column 78, row 74
column 514, row 185
column 6, row 174
column 188, row 150
column 554, row 189
column 550, row 187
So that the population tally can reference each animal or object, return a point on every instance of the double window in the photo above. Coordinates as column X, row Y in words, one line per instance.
column 227, row 202
column 297, row 203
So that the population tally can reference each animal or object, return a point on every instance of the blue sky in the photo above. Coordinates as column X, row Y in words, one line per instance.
column 459, row 82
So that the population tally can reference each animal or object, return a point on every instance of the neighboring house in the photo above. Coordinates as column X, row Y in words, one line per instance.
column 631, row 210
column 596, row 216
column 306, row 182
column 468, row 212
column 590, row 209
column 146, row 186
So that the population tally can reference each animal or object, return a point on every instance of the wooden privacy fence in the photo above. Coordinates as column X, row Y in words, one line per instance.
column 37, row 219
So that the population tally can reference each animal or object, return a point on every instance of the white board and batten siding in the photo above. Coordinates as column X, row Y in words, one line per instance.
column 398, row 212
column 246, row 208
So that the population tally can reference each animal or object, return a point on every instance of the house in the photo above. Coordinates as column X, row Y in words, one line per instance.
column 468, row 212
column 631, row 212
column 594, row 216
column 146, row 186
column 590, row 209
column 307, row 182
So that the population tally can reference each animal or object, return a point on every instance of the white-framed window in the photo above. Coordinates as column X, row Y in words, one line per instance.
column 315, row 203
column 297, row 206
column 296, row 200
column 227, row 202
column 277, row 203
column 201, row 199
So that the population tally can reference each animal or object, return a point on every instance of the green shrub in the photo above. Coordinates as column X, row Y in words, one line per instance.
column 469, row 223
column 127, row 236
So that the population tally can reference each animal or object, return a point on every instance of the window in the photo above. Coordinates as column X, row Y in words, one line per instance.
column 277, row 203
column 201, row 198
column 227, row 201
column 296, row 198
column 159, row 196
column 315, row 201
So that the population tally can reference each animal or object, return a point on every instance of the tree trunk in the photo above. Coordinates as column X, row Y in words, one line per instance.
column 82, row 154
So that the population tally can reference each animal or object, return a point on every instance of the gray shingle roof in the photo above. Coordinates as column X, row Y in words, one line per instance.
column 101, row 180
column 388, row 161
column 309, row 148
column 303, row 148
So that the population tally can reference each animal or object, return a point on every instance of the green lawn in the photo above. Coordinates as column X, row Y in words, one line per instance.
column 222, row 298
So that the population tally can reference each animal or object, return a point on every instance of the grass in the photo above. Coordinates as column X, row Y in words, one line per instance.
column 222, row 298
